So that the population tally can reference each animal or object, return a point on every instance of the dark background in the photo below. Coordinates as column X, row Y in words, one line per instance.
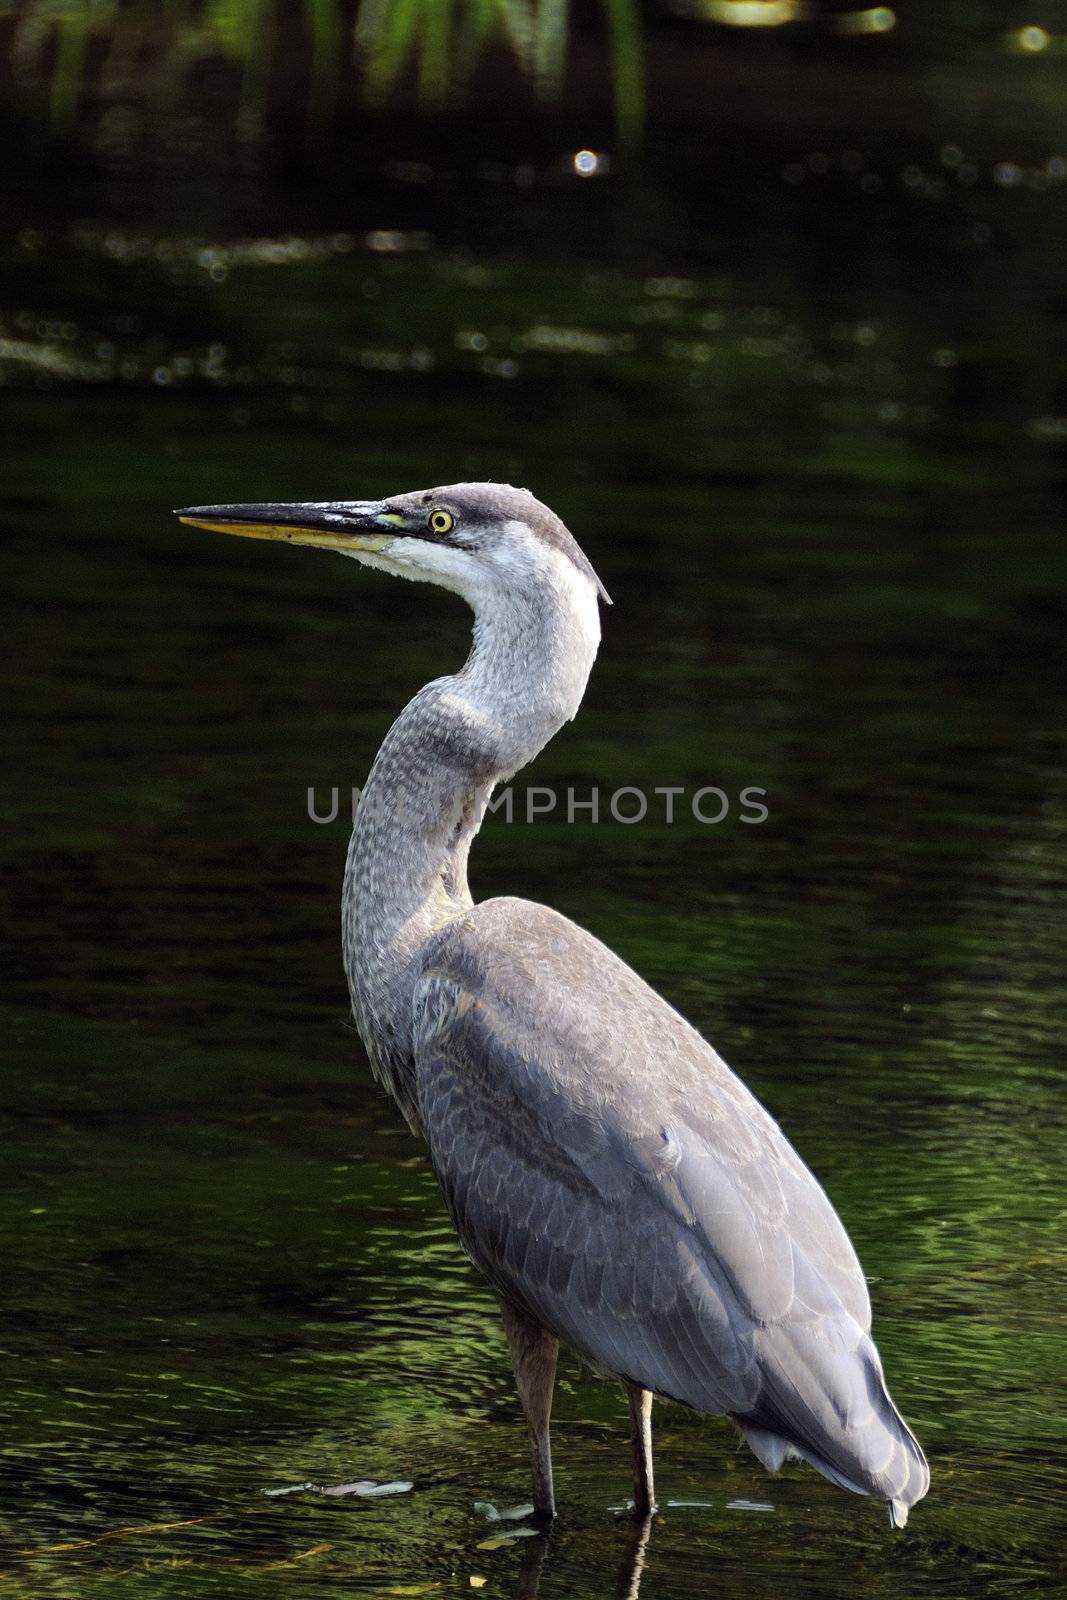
column 791, row 365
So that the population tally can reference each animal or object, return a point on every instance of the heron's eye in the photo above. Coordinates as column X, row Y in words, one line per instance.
column 441, row 521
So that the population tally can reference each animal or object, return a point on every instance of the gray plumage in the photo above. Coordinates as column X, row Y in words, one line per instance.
column 612, row 1175
column 607, row 1172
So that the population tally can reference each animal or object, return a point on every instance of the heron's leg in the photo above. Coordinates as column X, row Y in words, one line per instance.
column 533, row 1355
column 641, row 1444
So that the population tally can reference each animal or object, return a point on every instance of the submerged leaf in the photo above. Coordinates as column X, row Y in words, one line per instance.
column 366, row 1488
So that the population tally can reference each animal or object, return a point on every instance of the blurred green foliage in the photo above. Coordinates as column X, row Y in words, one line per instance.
column 435, row 50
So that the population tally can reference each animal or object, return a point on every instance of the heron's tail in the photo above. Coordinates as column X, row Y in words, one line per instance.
column 838, row 1415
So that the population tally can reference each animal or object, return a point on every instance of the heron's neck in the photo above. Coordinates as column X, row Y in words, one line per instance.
column 423, row 803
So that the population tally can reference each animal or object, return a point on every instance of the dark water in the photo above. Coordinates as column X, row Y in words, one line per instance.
column 825, row 491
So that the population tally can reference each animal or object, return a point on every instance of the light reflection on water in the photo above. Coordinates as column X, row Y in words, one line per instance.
column 882, row 376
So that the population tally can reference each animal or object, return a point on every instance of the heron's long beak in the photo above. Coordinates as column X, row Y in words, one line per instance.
column 331, row 524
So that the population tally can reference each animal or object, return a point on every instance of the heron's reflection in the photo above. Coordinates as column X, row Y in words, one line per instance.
column 628, row 1583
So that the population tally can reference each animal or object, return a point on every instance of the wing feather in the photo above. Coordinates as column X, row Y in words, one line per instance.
column 608, row 1172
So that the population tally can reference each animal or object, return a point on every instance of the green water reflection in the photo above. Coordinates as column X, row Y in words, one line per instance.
column 830, row 519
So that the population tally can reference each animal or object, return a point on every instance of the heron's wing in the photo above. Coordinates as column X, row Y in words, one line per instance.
column 608, row 1172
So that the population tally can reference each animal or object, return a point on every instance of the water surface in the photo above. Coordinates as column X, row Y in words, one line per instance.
column 828, row 508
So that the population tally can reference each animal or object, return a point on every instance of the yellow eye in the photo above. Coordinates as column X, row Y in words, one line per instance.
column 442, row 521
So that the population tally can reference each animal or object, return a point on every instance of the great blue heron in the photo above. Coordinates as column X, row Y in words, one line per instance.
column 620, row 1188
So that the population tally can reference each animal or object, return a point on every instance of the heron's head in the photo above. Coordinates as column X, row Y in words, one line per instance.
column 487, row 541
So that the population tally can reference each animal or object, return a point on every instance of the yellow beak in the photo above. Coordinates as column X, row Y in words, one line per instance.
column 330, row 525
